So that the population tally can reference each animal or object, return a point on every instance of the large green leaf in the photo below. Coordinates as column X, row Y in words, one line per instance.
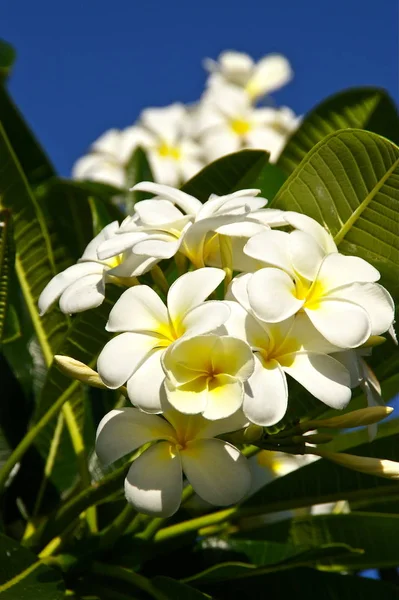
column 374, row 535
column 304, row 583
column 323, row 481
column 176, row 590
column 24, row 577
column 138, row 169
column 7, row 58
column 83, row 341
column 361, row 108
column 7, row 259
column 349, row 182
column 227, row 174
column 34, row 261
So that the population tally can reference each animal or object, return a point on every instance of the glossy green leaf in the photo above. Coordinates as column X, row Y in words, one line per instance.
column 34, row 263
column 83, row 341
column 138, row 169
column 24, row 577
column 7, row 58
column 374, row 535
column 360, row 108
column 7, row 259
column 304, row 583
column 227, row 174
column 349, row 182
column 176, row 590
column 323, row 481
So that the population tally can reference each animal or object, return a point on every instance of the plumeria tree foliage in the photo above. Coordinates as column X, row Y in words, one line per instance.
column 197, row 357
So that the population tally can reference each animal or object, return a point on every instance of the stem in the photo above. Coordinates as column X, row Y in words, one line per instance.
column 159, row 278
column 32, row 434
column 122, row 574
column 109, row 535
column 155, row 524
column 194, row 524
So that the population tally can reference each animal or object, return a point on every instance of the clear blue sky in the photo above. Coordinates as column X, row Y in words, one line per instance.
column 85, row 66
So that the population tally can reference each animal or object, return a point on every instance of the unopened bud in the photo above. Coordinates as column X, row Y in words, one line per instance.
column 252, row 433
column 371, row 466
column 78, row 370
column 374, row 340
column 356, row 418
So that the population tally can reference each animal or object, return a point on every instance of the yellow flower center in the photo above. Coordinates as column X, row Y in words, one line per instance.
column 167, row 151
column 312, row 293
column 240, row 126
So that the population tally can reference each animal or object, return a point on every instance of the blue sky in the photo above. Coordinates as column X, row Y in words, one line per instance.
column 86, row 66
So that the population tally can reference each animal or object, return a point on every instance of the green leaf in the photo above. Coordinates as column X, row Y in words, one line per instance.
column 138, row 169
column 374, row 535
column 7, row 58
column 227, row 174
column 349, row 183
column 176, row 590
column 323, row 481
column 360, row 108
column 83, row 341
column 269, row 181
column 24, row 577
column 7, row 259
column 304, row 583
column 34, row 261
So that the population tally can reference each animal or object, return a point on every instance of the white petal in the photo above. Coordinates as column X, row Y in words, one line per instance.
column 337, row 270
column 191, row 289
column 189, row 398
column 235, row 66
column 156, row 212
column 375, row 300
column 205, row 318
column 241, row 324
column 210, row 429
column 164, row 122
column 187, row 203
column 225, row 396
column 145, row 387
column 133, row 265
column 218, row 472
column 272, row 248
column 309, row 338
column 323, row 376
column 220, row 142
column 306, row 254
column 266, row 393
column 164, row 169
column 313, row 228
column 87, row 292
column 244, row 228
column 122, row 355
column 270, row 73
column 161, row 246
column 239, row 290
column 342, row 323
column 107, row 233
column 139, row 309
column 60, row 282
column 271, row 294
column 118, row 244
column 108, row 142
column 154, row 482
column 126, row 429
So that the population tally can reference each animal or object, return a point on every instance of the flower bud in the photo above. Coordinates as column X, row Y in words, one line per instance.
column 78, row 370
column 356, row 418
column 372, row 466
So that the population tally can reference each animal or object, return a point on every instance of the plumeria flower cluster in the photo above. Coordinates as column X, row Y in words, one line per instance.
column 251, row 297
column 179, row 140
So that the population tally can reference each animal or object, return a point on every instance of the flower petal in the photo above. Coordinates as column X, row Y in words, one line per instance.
column 271, row 248
column 225, row 396
column 154, row 482
column 205, row 318
column 271, row 294
column 157, row 212
column 313, row 228
column 337, row 270
column 87, row 292
column 218, row 472
column 323, row 376
column 126, row 429
column 191, row 289
column 232, row 356
column 122, row 355
column 58, row 284
column 375, row 300
column 187, row 203
column 133, row 266
column 118, row 244
column 145, row 387
column 107, row 233
column 270, row 73
column 342, row 323
column 160, row 246
column 139, row 309
column 189, row 398
column 266, row 393
column 306, row 254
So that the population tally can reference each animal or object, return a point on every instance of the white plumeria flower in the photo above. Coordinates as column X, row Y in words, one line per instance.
column 206, row 375
column 267, row 75
column 227, row 122
column 177, row 222
column 292, row 347
column 149, row 327
column 338, row 293
column 82, row 286
column 173, row 155
column 109, row 155
column 218, row 472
